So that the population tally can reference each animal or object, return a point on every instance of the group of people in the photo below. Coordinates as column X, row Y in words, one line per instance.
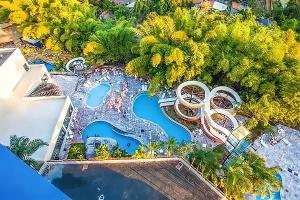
column 117, row 102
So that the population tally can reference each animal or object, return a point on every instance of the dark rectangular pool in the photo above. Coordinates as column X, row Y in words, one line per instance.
column 99, row 182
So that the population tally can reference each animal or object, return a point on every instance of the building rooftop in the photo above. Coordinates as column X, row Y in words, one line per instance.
column 33, row 117
column 162, row 175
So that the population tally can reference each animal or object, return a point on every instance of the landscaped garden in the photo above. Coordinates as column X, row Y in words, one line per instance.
column 166, row 43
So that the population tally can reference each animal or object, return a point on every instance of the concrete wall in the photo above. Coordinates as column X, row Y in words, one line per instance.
column 11, row 71
column 58, row 127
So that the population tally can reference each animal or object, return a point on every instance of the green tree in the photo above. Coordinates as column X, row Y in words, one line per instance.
column 102, row 152
column 237, row 180
column 171, row 146
column 264, row 180
column 77, row 151
column 24, row 148
column 113, row 42
column 208, row 161
column 116, row 152
column 153, row 148
column 261, row 63
column 184, row 149
column 140, row 153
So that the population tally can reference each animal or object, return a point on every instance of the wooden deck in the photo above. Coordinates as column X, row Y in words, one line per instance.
column 164, row 177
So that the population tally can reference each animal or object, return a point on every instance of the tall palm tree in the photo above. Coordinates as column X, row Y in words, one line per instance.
column 237, row 180
column 171, row 145
column 264, row 179
column 153, row 147
column 208, row 162
column 23, row 147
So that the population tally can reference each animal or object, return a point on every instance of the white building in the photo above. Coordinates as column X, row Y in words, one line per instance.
column 42, row 117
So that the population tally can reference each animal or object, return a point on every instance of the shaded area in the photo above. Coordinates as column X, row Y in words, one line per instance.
column 100, row 181
column 136, row 180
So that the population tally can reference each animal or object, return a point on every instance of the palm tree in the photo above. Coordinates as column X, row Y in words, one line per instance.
column 208, row 162
column 23, row 147
column 264, row 179
column 237, row 180
column 171, row 146
column 140, row 153
column 153, row 148
column 102, row 152
column 184, row 149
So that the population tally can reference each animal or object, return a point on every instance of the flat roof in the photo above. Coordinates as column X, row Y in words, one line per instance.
column 32, row 117
column 28, row 80
column 160, row 174
column 19, row 181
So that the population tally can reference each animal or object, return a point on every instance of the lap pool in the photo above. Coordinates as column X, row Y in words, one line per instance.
column 105, row 129
column 148, row 108
column 97, row 95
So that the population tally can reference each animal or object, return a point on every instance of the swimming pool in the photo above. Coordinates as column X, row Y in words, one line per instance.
column 105, row 129
column 148, row 108
column 97, row 95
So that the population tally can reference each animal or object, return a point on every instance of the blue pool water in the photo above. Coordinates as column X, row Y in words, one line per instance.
column 147, row 107
column 275, row 195
column 49, row 66
column 105, row 129
column 97, row 94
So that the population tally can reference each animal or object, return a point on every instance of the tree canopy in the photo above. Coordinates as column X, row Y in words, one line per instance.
column 262, row 63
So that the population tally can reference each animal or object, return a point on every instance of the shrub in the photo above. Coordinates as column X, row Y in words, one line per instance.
column 77, row 151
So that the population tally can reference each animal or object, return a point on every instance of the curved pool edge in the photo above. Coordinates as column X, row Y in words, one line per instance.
column 104, row 98
column 188, row 130
column 132, row 104
column 166, row 134
column 103, row 120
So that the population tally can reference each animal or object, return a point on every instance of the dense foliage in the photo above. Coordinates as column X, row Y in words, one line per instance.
column 288, row 17
column 262, row 63
column 102, row 152
column 143, row 7
column 24, row 148
column 116, row 152
column 71, row 25
column 77, row 151
column 248, row 175
column 208, row 161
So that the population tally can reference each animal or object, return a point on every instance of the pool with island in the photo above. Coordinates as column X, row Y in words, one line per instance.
column 144, row 107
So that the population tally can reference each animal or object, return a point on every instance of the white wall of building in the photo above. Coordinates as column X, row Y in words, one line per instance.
column 11, row 71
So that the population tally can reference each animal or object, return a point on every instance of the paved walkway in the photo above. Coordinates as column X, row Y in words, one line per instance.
column 285, row 153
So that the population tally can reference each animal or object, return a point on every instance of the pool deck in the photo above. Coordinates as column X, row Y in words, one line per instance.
column 285, row 154
column 163, row 176
column 122, row 117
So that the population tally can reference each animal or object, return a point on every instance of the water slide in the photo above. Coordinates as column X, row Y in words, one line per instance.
column 205, row 108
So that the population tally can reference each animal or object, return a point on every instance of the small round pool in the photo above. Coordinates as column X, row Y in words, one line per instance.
column 96, row 95
column 105, row 129
column 148, row 108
